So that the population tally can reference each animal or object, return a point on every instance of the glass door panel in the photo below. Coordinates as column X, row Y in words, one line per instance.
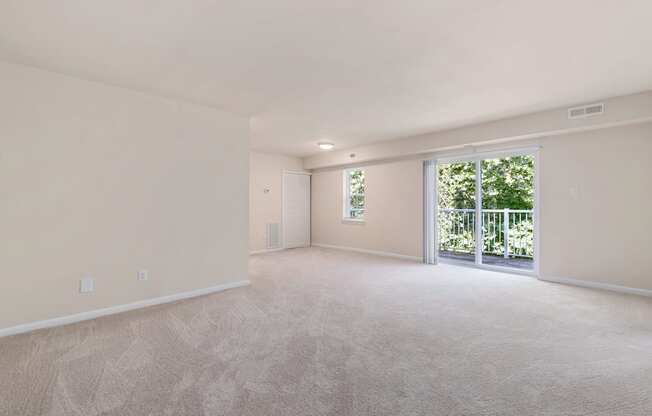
column 508, row 212
column 456, row 215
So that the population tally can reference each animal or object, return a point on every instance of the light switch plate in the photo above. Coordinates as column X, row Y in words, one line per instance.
column 87, row 285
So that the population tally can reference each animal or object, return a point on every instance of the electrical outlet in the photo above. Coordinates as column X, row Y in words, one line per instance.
column 143, row 275
column 87, row 285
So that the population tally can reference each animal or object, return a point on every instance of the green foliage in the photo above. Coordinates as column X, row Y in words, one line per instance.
column 456, row 231
column 521, row 239
column 356, row 193
column 506, row 183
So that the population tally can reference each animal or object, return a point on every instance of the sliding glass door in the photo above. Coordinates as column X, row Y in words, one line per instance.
column 456, row 219
column 485, row 211
column 508, row 211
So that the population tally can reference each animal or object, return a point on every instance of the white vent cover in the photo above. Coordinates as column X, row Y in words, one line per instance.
column 586, row 111
column 274, row 235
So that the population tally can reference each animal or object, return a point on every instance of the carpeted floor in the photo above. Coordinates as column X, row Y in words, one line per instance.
column 324, row 332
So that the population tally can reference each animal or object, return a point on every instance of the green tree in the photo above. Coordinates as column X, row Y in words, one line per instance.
column 456, row 185
column 506, row 183
column 357, row 188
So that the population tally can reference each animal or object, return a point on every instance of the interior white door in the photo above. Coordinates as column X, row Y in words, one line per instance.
column 296, row 210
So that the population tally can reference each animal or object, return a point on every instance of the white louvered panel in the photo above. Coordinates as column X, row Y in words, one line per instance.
column 273, row 235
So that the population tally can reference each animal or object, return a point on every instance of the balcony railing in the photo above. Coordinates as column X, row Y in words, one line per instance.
column 506, row 232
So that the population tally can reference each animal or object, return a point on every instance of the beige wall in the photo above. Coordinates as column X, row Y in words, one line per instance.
column 104, row 181
column 393, row 214
column 595, row 197
column 266, row 172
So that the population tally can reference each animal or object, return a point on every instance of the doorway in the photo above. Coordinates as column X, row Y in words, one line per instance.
column 296, row 209
column 485, row 211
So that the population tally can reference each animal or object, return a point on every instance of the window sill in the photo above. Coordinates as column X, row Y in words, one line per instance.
column 359, row 221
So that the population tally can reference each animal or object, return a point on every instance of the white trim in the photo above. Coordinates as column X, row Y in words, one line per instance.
column 435, row 212
column 537, row 212
column 346, row 196
column 85, row 316
column 267, row 250
column 597, row 285
column 296, row 172
column 429, row 214
column 356, row 221
column 374, row 252
column 283, row 209
column 479, row 232
column 345, row 193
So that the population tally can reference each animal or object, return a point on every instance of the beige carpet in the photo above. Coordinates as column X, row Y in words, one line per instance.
column 323, row 332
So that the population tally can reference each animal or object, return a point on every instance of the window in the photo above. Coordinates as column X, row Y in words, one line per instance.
column 354, row 190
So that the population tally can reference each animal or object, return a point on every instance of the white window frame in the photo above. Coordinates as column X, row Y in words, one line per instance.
column 346, row 181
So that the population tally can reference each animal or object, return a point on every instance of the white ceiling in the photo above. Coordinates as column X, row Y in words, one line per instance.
column 347, row 71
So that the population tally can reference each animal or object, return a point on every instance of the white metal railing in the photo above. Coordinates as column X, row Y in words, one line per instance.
column 506, row 232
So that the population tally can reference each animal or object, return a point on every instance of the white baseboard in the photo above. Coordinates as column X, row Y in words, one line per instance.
column 365, row 251
column 85, row 316
column 269, row 250
column 598, row 285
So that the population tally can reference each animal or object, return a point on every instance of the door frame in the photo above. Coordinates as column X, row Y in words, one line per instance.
column 283, row 207
column 432, row 204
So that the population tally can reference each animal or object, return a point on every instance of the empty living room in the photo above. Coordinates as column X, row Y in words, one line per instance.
column 335, row 208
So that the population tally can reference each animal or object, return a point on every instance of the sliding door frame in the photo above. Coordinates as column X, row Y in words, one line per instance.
column 432, row 205
column 430, row 197
column 479, row 234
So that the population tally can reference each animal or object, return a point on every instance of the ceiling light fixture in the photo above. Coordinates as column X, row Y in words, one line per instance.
column 325, row 145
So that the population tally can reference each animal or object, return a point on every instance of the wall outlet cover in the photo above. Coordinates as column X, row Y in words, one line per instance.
column 143, row 275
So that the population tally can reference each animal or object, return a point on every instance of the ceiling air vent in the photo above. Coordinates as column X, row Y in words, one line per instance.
column 586, row 111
